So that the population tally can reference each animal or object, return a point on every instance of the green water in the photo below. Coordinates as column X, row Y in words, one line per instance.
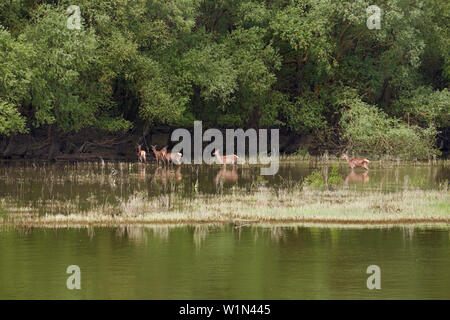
column 210, row 262
column 222, row 262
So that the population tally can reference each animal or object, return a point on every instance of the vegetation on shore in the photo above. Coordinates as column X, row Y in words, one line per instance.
column 342, row 206
column 308, row 67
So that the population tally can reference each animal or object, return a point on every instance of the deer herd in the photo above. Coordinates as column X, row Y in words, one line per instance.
column 162, row 155
column 169, row 158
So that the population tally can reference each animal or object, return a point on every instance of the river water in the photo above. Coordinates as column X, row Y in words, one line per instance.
column 212, row 261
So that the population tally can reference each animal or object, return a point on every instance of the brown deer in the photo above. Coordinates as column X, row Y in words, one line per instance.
column 230, row 159
column 356, row 162
column 159, row 155
column 172, row 157
column 141, row 154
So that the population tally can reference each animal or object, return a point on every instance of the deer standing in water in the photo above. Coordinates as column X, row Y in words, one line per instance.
column 356, row 162
column 159, row 155
column 172, row 157
column 230, row 159
column 141, row 154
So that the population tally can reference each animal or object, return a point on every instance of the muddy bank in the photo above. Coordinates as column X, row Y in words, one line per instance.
column 93, row 145
column 100, row 221
column 86, row 145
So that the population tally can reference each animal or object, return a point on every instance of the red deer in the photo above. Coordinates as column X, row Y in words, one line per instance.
column 172, row 157
column 159, row 155
column 356, row 162
column 141, row 154
column 230, row 159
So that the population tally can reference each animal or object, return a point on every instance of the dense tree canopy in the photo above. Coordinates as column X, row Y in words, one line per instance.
column 306, row 66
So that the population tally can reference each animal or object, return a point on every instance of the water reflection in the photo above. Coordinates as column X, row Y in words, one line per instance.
column 75, row 187
column 142, row 175
column 142, row 234
column 275, row 233
column 208, row 262
column 163, row 175
column 228, row 176
column 354, row 176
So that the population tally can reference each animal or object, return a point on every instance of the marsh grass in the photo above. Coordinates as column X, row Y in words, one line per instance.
column 264, row 206
column 376, row 160
column 318, row 198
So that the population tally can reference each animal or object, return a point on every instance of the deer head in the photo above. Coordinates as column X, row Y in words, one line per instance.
column 344, row 154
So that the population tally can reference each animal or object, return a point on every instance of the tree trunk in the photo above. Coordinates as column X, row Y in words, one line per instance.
column 55, row 142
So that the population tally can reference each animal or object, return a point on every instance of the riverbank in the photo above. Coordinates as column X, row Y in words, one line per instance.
column 265, row 206
column 94, row 145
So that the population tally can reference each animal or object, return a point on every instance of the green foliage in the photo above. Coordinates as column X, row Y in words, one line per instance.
column 319, row 180
column 302, row 152
column 424, row 106
column 10, row 119
column 369, row 130
column 335, row 178
column 315, row 179
column 246, row 63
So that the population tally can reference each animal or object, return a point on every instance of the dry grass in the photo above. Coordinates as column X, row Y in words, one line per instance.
column 264, row 206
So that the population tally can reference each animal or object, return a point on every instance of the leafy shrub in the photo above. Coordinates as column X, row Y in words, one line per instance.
column 369, row 130
column 335, row 178
column 10, row 119
column 317, row 180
